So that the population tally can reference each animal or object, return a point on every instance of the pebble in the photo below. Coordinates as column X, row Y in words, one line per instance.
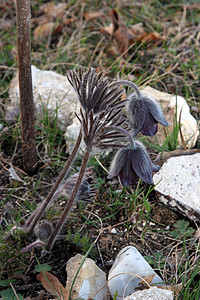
column 153, row 293
column 129, row 260
column 89, row 281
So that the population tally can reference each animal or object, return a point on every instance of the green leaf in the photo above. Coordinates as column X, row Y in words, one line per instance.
column 181, row 225
column 43, row 267
column 9, row 295
column 7, row 282
column 182, row 229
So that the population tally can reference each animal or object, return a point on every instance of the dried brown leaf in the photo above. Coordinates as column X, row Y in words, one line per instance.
column 145, row 282
column 176, row 288
column 135, row 31
column 150, row 37
column 120, row 33
column 55, row 10
column 107, row 30
column 147, row 279
column 45, row 30
column 124, row 36
column 53, row 285
column 92, row 15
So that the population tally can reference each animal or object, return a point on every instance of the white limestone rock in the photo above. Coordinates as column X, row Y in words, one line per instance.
column 129, row 260
column 178, row 184
column 168, row 104
column 50, row 90
column 90, row 279
column 152, row 293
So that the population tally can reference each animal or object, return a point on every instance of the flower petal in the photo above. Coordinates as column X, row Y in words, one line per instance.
column 142, row 165
column 127, row 174
column 155, row 110
column 117, row 163
column 136, row 111
column 150, row 126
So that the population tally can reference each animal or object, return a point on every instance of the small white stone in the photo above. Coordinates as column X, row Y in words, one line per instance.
column 127, row 272
column 178, row 184
column 90, row 279
column 152, row 223
column 114, row 231
column 152, row 293
column 50, row 90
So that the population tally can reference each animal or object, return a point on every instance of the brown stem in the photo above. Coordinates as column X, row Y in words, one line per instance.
column 69, row 203
column 30, row 158
column 32, row 221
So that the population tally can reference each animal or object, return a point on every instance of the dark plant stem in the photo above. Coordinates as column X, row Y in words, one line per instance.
column 69, row 203
column 127, row 83
column 32, row 221
column 30, row 158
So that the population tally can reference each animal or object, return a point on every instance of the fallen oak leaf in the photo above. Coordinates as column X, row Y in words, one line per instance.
column 53, row 285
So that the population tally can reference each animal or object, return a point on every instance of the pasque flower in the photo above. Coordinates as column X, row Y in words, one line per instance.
column 132, row 162
column 144, row 114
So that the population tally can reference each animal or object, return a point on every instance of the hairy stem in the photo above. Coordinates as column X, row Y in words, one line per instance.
column 128, row 83
column 32, row 221
column 125, row 132
column 29, row 247
column 69, row 203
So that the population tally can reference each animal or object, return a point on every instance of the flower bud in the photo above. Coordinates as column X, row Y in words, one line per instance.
column 43, row 230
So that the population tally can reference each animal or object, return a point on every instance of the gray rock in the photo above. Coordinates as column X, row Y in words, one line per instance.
column 90, row 279
column 50, row 90
column 178, row 184
column 128, row 271
column 153, row 293
column 170, row 104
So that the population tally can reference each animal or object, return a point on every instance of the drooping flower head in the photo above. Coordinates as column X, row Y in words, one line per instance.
column 144, row 114
column 132, row 162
